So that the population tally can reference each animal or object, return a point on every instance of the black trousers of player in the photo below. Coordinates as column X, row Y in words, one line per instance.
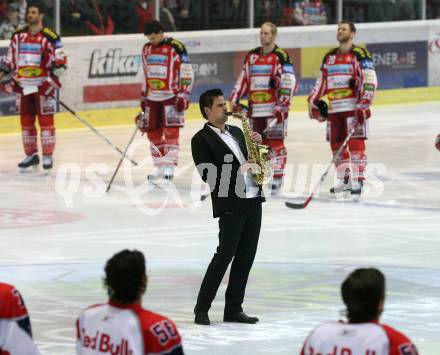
column 238, row 240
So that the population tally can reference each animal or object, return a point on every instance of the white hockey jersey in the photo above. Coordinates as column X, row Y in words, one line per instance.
column 339, row 338
column 126, row 330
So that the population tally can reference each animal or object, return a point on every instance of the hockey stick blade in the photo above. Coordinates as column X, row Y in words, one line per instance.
column 327, row 169
column 296, row 205
column 203, row 197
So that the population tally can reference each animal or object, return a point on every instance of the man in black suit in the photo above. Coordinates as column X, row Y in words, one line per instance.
column 220, row 155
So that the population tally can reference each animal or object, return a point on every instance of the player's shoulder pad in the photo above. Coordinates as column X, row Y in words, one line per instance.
column 282, row 55
column 50, row 34
column 146, row 45
column 255, row 50
column 21, row 29
column 361, row 53
column 11, row 302
column 330, row 52
column 5, row 291
column 177, row 45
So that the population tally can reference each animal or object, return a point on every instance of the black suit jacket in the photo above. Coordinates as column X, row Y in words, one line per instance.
column 219, row 167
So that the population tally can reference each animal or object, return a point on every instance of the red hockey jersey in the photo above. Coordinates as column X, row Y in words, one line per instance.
column 167, row 70
column 267, row 80
column 32, row 57
column 348, row 80
column 15, row 326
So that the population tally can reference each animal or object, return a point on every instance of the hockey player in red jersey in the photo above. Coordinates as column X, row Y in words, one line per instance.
column 363, row 293
column 15, row 325
column 35, row 61
column 122, row 326
column 167, row 85
column 268, row 80
column 348, row 79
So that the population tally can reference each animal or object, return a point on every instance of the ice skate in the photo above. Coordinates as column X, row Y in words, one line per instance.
column 275, row 188
column 30, row 162
column 157, row 174
column 168, row 172
column 47, row 162
column 341, row 185
column 356, row 189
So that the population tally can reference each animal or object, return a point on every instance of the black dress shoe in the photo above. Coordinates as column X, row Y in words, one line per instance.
column 239, row 317
column 202, row 318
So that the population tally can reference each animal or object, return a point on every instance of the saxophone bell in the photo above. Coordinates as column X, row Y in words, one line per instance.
column 257, row 152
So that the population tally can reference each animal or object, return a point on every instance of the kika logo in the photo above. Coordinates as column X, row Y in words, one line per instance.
column 113, row 63
column 434, row 45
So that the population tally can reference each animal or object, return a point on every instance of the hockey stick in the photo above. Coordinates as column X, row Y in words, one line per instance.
column 302, row 205
column 92, row 128
column 122, row 158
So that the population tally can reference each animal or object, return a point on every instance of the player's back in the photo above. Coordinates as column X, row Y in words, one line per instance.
column 104, row 329
column 126, row 330
column 338, row 338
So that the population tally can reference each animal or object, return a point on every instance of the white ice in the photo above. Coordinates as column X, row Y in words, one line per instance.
column 56, row 232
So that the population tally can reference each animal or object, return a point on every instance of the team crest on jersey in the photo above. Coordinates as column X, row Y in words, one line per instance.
column 331, row 59
column 260, row 96
column 156, row 84
column 339, row 94
column 30, row 72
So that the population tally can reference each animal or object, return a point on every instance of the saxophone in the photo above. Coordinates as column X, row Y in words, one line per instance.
column 256, row 151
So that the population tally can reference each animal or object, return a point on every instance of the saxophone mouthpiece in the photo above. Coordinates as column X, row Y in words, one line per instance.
column 229, row 113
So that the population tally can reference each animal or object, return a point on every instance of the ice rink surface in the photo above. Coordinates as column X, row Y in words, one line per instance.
column 57, row 231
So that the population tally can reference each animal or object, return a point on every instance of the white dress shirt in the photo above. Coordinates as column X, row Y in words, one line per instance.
column 252, row 189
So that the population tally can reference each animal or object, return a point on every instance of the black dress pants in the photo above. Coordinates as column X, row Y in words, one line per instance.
column 238, row 240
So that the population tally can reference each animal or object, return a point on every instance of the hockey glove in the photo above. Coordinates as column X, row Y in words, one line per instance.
column 362, row 114
column 48, row 87
column 319, row 110
column 181, row 103
column 7, row 84
column 281, row 113
column 141, row 121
